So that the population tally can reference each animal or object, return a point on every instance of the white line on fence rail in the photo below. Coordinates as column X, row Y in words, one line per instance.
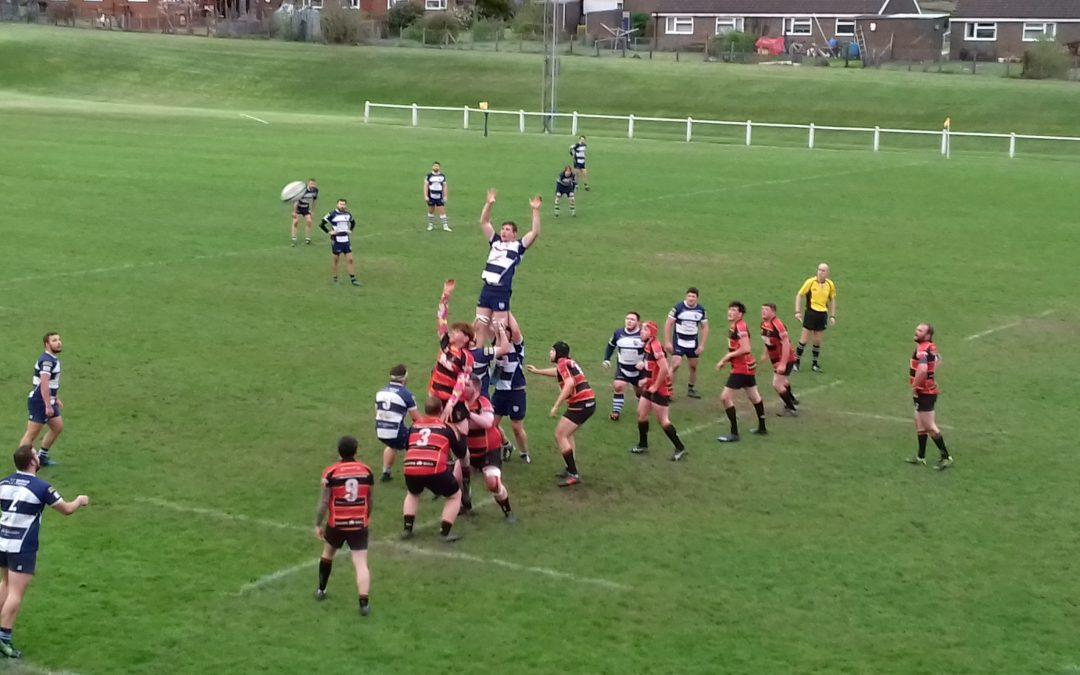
column 876, row 132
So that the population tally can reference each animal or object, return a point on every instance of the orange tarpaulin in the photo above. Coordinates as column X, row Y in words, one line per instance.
column 771, row 46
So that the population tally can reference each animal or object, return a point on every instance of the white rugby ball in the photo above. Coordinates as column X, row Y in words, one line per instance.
column 293, row 190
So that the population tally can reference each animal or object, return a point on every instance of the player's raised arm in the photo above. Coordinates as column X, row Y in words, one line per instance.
column 546, row 372
column 503, row 345
column 68, row 508
column 535, row 203
column 443, row 312
column 485, row 215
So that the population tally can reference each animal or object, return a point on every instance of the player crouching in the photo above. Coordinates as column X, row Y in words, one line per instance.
column 485, row 446
column 429, row 464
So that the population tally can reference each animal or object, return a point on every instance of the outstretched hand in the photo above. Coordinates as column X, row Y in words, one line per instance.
column 532, row 369
column 491, row 195
column 536, row 202
column 448, row 286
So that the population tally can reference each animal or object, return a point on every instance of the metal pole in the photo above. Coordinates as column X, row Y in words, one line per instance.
column 485, row 123
column 811, row 141
column 877, row 138
column 749, row 126
column 1012, row 145
column 465, row 124
column 573, row 124
column 689, row 128
column 415, row 115
column 367, row 111
column 630, row 127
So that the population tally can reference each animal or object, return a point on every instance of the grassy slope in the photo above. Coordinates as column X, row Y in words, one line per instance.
column 313, row 78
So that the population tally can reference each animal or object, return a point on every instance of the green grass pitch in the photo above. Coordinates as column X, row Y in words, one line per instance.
column 209, row 368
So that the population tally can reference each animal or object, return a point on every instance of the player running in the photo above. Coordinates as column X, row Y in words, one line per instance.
column 655, row 393
column 345, row 505
column 303, row 208
column 819, row 292
column 778, row 349
column 628, row 342
column 565, row 185
column 23, row 497
column 339, row 224
column 577, row 151
column 392, row 404
column 509, row 398
column 742, row 373
column 580, row 406
column 429, row 464
column 691, row 329
column 485, row 447
column 43, row 404
column 504, row 255
column 454, row 364
column 436, row 192
column 924, row 392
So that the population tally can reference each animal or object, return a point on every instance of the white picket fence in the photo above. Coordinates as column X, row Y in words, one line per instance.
column 689, row 123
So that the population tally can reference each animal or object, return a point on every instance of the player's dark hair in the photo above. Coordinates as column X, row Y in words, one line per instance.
column 434, row 163
column 512, row 224
column 45, row 340
column 694, row 290
column 346, row 447
column 770, row 305
column 23, row 456
column 562, row 350
column 567, row 168
column 399, row 372
column 738, row 305
column 929, row 330
column 342, row 199
column 433, row 406
column 637, row 315
column 476, row 383
column 464, row 328
column 311, row 180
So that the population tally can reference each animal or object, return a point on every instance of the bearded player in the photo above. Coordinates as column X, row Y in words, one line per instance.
column 656, row 391
column 924, row 392
column 628, row 343
column 778, row 349
column 742, row 376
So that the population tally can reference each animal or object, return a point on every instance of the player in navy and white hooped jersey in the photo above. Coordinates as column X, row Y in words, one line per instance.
column 505, row 251
column 436, row 193
column 509, row 398
column 484, row 356
column 565, row 184
column 339, row 224
column 577, row 151
column 23, row 498
column 691, row 330
column 631, row 350
column 393, row 404
column 303, row 208
column 43, row 404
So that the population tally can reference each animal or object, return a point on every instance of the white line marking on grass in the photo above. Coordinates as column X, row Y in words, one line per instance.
column 239, row 518
column 884, row 418
column 21, row 666
column 1006, row 326
column 701, row 427
column 280, row 574
column 252, row 117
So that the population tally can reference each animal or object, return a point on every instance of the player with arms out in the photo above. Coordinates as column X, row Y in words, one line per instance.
column 691, row 329
column 509, row 399
column 43, row 404
column 392, row 404
column 485, row 447
column 924, row 391
column 655, row 393
column 429, row 461
column 565, row 184
column 627, row 341
column 23, row 498
column 819, row 293
column 778, row 350
column 436, row 192
column 345, row 505
column 339, row 224
column 577, row 152
column 303, row 208
column 742, row 376
column 453, row 366
column 505, row 251
column 580, row 401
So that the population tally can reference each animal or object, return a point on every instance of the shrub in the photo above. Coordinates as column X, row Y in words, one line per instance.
column 495, row 9
column 485, row 30
column 342, row 26
column 61, row 12
column 433, row 28
column 529, row 21
column 463, row 16
column 640, row 21
column 1046, row 60
column 403, row 14
column 733, row 42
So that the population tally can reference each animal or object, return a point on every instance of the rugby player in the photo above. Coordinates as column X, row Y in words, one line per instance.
column 577, row 151
column 742, row 373
column 509, row 399
column 436, row 191
column 43, row 404
column 627, row 341
column 23, row 497
column 580, row 401
column 565, row 185
column 339, row 224
column 484, row 355
column 691, row 329
column 485, row 447
column 504, row 255
column 345, row 505
column 924, row 392
column 655, row 394
column 454, row 364
column 819, row 292
column 303, row 207
column 392, row 403
column 778, row 350
column 429, row 464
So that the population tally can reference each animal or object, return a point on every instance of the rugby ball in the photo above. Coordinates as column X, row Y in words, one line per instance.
column 293, row 190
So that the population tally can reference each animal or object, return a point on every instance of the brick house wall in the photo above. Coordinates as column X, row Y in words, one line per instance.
column 1009, row 41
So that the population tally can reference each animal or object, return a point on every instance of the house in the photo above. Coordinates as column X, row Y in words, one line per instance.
column 992, row 29
column 903, row 37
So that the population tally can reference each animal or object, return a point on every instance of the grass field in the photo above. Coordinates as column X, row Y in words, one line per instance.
column 209, row 368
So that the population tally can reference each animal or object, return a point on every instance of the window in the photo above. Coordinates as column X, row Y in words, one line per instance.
column 980, row 31
column 798, row 27
column 354, row 4
column 679, row 25
column 845, row 27
column 1039, row 31
column 317, row 4
column 727, row 24
column 434, row 4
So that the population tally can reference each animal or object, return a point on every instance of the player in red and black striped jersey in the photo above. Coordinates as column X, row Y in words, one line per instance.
column 780, row 355
column 656, row 392
column 485, row 443
column 345, row 505
column 922, row 372
column 430, row 457
column 742, row 376
column 453, row 366
column 580, row 401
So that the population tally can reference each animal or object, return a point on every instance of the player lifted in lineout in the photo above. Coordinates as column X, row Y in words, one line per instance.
column 436, row 192
column 505, row 251
column 453, row 366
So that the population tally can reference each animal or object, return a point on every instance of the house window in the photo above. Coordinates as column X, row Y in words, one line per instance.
column 434, row 4
column 354, row 4
column 1039, row 31
column 980, row 31
column 798, row 27
column 727, row 24
column 679, row 25
column 317, row 4
column 845, row 27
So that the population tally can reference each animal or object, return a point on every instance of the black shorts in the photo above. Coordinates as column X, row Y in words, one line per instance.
column 443, row 484
column 356, row 539
column 815, row 320
column 579, row 414
column 924, row 402
column 740, row 381
column 490, row 458
column 303, row 210
column 656, row 398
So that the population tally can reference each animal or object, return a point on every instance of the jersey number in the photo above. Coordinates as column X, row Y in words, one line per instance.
column 425, row 436
column 352, row 490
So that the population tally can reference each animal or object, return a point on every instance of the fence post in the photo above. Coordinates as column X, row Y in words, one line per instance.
column 1012, row 145
column 810, row 143
column 749, row 126
column 465, row 124
column 415, row 115
column 521, row 121
column 630, row 127
column 944, row 140
column 573, row 124
column 367, row 111
column 877, row 138
column 689, row 128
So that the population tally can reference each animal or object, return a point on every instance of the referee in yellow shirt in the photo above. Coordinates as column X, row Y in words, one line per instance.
column 820, row 292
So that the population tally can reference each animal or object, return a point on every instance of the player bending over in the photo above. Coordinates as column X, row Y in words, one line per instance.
column 924, row 392
column 580, row 401
column 485, row 447
column 742, row 373
column 778, row 350
column 655, row 394
column 429, row 461
column 505, row 251
column 436, row 192
column 339, row 224
column 565, row 185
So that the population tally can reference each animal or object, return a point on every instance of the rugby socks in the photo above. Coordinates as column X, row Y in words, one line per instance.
column 363, row 601
column 294, row 241
column 466, row 488
column 643, row 434
column 43, row 455
column 409, row 522
column 445, row 527
column 504, row 504
column 556, row 209
column 759, row 408
column 571, row 463
column 617, row 403
column 788, row 399
column 733, row 419
column 674, row 436
column 5, row 634
column 939, row 441
column 325, row 566
column 922, row 446
column 573, row 209
column 445, row 222
column 798, row 352
column 431, row 221
column 816, row 351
